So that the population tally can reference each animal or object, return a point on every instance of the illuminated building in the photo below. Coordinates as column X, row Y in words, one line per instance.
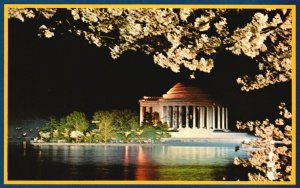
column 186, row 107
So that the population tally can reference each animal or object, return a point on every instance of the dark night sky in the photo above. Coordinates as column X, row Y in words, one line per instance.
column 57, row 76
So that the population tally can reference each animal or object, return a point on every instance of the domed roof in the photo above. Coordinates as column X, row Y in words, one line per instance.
column 189, row 92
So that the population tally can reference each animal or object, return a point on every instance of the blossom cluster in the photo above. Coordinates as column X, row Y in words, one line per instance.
column 272, row 157
column 185, row 37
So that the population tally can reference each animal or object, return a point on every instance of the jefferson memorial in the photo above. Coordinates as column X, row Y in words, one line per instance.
column 188, row 108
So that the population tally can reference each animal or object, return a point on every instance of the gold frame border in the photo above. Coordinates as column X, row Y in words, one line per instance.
column 104, row 182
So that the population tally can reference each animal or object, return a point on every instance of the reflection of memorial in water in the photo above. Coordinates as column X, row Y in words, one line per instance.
column 140, row 158
column 193, row 162
column 182, row 155
column 143, row 165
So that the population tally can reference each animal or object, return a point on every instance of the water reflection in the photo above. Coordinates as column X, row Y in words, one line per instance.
column 120, row 162
column 183, row 155
column 126, row 162
column 144, row 162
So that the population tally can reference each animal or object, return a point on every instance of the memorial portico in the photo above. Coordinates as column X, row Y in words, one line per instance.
column 186, row 106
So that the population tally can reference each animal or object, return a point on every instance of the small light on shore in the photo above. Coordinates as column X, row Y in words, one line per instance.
column 95, row 121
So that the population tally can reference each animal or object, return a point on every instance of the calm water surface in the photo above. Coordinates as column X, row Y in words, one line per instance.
column 122, row 162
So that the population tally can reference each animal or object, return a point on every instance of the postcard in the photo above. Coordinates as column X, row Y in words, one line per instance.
column 152, row 93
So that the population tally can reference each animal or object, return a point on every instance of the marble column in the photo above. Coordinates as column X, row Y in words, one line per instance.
column 176, row 116
column 167, row 115
column 199, row 117
column 187, row 115
column 180, row 117
column 194, row 117
column 226, row 115
column 207, row 118
column 219, row 117
column 202, row 111
column 223, row 118
column 210, row 118
column 141, row 115
column 170, row 116
column 213, row 118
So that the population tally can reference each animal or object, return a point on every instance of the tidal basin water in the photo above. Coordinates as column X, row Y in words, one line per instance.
column 123, row 162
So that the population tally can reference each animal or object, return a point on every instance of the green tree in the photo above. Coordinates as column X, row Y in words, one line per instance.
column 45, row 136
column 56, row 135
column 125, row 120
column 75, row 121
column 162, row 130
column 66, row 134
column 54, row 128
column 149, row 132
column 134, row 123
column 104, row 122
column 51, row 125
column 154, row 132
column 92, row 136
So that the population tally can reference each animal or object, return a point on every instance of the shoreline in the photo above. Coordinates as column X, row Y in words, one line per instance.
column 165, row 142
column 94, row 144
column 217, row 139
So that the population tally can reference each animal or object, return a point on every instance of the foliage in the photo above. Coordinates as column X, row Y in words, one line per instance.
column 45, row 136
column 75, row 121
column 92, row 136
column 273, row 157
column 115, row 125
column 56, row 135
column 125, row 120
column 163, row 130
column 51, row 125
column 77, row 136
column 66, row 134
column 154, row 132
column 147, row 117
column 179, row 38
column 151, row 118
column 104, row 121
column 149, row 131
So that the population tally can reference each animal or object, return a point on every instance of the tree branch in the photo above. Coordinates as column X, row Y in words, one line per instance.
column 268, row 29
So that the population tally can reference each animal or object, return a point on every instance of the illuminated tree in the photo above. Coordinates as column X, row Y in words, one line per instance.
column 104, row 123
column 52, row 124
column 75, row 121
column 77, row 136
column 125, row 120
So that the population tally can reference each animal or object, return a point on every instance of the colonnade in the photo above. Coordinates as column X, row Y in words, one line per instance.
column 201, row 117
column 194, row 117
